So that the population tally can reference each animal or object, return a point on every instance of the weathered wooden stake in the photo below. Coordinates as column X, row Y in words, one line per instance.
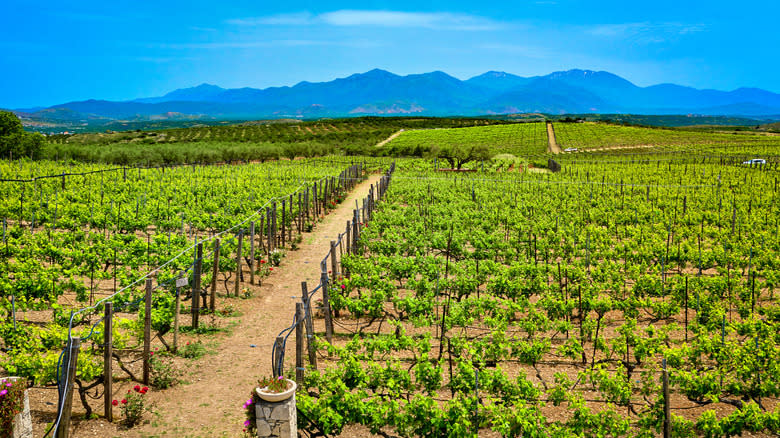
column 71, row 359
column 334, row 267
column 284, row 218
column 299, row 342
column 667, row 403
column 108, row 350
column 196, row 286
column 326, row 304
column 252, row 253
column 214, row 272
column 238, row 263
column 309, row 326
column 147, row 330
column 176, row 310
column 278, row 368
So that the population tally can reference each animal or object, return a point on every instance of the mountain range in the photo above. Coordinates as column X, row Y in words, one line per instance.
column 379, row 92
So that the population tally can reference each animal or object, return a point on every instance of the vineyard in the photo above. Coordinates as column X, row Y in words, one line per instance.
column 247, row 141
column 554, row 305
column 630, row 294
column 77, row 238
column 518, row 139
column 604, row 137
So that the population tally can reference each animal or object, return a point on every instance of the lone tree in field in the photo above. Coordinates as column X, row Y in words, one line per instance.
column 14, row 142
column 458, row 155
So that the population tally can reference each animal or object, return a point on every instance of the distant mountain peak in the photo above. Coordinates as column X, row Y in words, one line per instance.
column 374, row 73
column 202, row 88
column 494, row 74
column 379, row 91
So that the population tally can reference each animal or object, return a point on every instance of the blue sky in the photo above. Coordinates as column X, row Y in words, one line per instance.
column 121, row 50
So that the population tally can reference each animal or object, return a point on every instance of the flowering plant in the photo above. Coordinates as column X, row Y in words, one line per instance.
column 275, row 257
column 250, row 424
column 133, row 405
column 276, row 385
column 11, row 403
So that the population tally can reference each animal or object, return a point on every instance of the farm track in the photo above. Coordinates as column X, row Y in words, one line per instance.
column 389, row 139
column 209, row 404
column 552, row 146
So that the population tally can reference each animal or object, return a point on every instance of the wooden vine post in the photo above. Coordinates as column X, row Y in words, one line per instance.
column 333, row 259
column 299, row 342
column 214, row 272
column 667, row 407
column 326, row 304
column 277, row 366
column 69, row 371
column 196, row 286
column 309, row 326
column 252, row 252
column 237, row 284
column 147, row 330
column 108, row 351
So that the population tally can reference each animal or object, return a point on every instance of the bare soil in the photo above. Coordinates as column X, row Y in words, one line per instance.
column 552, row 146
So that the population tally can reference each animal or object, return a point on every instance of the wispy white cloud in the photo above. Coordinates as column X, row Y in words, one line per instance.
column 296, row 19
column 264, row 44
column 378, row 18
column 516, row 50
column 160, row 59
column 646, row 32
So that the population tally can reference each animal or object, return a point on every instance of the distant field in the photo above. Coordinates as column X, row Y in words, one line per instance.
column 422, row 136
column 518, row 139
column 245, row 141
column 599, row 137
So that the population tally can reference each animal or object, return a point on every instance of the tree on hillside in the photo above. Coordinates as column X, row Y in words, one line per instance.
column 458, row 155
column 14, row 142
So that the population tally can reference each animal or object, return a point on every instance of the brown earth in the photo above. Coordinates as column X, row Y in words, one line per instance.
column 552, row 146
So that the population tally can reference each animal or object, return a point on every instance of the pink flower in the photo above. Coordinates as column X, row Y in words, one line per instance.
column 3, row 393
column 343, row 287
column 246, row 423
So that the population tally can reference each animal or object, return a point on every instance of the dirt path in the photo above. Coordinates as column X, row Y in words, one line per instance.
column 389, row 139
column 209, row 404
column 552, row 145
column 617, row 148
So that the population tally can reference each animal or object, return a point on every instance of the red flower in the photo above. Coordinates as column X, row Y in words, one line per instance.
column 151, row 353
column 137, row 388
column 270, row 269
column 114, row 402
column 144, row 389
column 124, row 401
column 262, row 261
column 343, row 287
column 188, row 343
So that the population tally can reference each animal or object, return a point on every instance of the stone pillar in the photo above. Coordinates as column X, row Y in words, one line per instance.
column 277, row 419
column 22, row 420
